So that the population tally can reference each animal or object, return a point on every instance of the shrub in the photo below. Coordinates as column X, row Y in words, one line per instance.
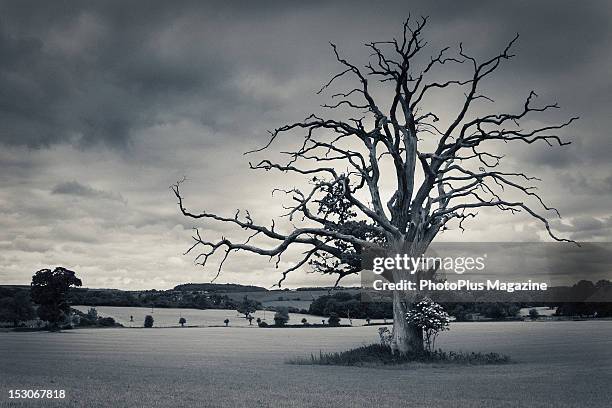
column 148, row 321
column 533, row 313
column 304, row 321
column 92, row 314
column 333, row 320
column 281, row 317
column 262, row 324
column 108, row 322
column 377, row 354
column 386, row 336
column 431, row 318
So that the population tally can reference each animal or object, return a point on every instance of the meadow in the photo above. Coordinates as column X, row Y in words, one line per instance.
column 556, row 364
column 196, row 317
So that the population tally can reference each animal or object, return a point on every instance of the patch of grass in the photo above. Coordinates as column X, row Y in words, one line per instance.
column 376, row 354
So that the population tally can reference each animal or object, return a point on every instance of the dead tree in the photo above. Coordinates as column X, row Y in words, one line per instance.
column 443, row 168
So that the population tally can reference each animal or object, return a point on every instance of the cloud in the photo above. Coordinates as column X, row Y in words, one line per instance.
column 75, row 188
column 105, row 104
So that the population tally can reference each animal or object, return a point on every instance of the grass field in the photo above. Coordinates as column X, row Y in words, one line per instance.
column 196, row 317
column 557, row 364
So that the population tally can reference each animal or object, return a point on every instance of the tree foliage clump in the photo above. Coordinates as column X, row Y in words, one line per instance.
column 16, row 309
column 49, row 290
column 345, row 304
column 247, row 306
column 333, row 320
column 431, row 318
column 281, row 317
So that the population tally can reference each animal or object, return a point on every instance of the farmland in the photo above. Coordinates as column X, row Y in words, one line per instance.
column 560, row 364
column 195, row 317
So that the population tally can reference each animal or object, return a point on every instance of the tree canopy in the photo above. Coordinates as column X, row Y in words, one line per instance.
column 444, row 167
column 49, row 289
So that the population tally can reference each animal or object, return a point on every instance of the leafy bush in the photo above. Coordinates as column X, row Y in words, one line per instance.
column 431, row 318
column 92, row 314
column 386, row 336
column 377, row 354
column 109, row 322
column 84, row 322
column 533, row 313
column 148, row 321
column 334, row 320
column 281, row 317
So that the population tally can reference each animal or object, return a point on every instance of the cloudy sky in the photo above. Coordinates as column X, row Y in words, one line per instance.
column 103, row 105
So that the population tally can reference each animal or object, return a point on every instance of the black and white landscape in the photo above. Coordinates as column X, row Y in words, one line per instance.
column 193, row 197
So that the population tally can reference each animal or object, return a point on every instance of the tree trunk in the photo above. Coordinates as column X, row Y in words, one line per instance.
column 407, row 338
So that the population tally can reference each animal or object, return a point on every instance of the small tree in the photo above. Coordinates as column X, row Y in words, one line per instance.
column 367, row 319
column 281, row 317
column 304, row 321
column 226, row 321
column 49, row 290
column 148, row 321
column 431, row 318
column 182, row 321
column 250, row 319
column 334, row 320
column 533, row 313
column 247, row 306
column 92, row 314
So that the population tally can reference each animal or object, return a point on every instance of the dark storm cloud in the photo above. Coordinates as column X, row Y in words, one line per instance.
column 89, row 74
column 77, row 189
column 95, row 73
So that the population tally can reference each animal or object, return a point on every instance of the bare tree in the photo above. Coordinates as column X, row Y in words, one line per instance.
column 441, row 173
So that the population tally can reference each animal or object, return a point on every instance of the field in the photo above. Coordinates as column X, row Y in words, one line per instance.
column 557, row 364
column 195, row 317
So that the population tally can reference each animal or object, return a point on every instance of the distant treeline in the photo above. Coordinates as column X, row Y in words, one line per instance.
column 347, row 305
column 350, row 306
column 15, row 301
column 218, row 287
column 116, row 297
column 152, row 298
